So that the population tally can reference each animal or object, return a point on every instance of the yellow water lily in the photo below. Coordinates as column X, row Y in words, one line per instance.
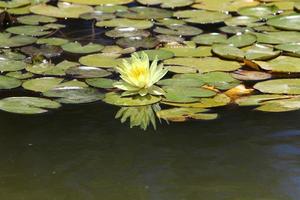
column 139, row 77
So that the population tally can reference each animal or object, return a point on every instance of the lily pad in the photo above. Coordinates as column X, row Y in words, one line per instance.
column 74, row 95
column 178, row 29
column 279, row 86
column 127, row 32
column 122, row 22
column 35, row 19
column 279, row 37
column 27, row 105
column 189, row 51
column 167, row 4
column 8, row 65
column 203, row 65
column 63, row 10
column 100, row 2
column 29, row 30
column 52, row 41
column 104, row 83
column 210, row 38
column 159, row 54
column 6, row 40
column 286, row 22
column 138, row 42
column 76, row 47
column 98, row 60
column 116, row 99
column 87, row 72
column 42, row 84
column 260, row 11
column 281, row 64
column 9, row 82
column 224, row 5
column 251, row 75
column 202, row 16
column 141, row 12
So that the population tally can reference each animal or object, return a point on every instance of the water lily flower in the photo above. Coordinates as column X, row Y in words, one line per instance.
column 139, row 77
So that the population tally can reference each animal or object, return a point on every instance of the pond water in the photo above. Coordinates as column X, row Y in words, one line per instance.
column 84, row 153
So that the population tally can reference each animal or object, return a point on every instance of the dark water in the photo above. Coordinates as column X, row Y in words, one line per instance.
column 81, row 153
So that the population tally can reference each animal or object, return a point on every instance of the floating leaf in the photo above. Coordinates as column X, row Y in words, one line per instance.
column 6, row 40
column 42, row 84
column 35, row 19
column 202, row 16
column 122, row 22
column 29, row 30
column 9, row 82
column 98, row 60
column 210, row 38
column 100, row 2
column 63, row 10
column 281, row 64
column 279, row 86
column 74, row 95
column 87, row 72
column 76, row 47
column 100, row 82
column 27, row 105
column 286, row 22
column 205, row 64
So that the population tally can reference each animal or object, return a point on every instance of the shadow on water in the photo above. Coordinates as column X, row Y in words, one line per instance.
column 84, row 153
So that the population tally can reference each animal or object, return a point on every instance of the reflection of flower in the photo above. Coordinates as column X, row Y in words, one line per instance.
column 139, row 116
column 138, row 77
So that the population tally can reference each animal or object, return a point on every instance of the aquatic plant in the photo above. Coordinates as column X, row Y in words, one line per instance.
column 139, row 77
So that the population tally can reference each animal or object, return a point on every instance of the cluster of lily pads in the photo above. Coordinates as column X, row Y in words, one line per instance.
column 217, row 52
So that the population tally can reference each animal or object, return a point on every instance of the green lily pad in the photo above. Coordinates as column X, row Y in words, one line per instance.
column 283, row 105
column 116, row 99
column 98, row 60
column 42, row 84
column 210, row 38
column 189, row 51
column 184, row 114
column 104, row 83
column 141, row 12
column 74, row 95
column 178, row 29
column 286, row 22
column 261, row 52
column 224, row 5
column 181, row 94
column 292, row 48
column 52, row 41
column 242, row 40
column 87, row 72
column 7, row 65
column 138, row 42
column 9, row 82
column 279, row 37
column 63, row 10
column 20, row 75
column 122, row 22
column 6, row 40
column 181, row 82
column 29, row 30
column 219, row 80
column 281, row 64
column 255, row 100
column 27, row 105
column 159, row 54
column 76, row 47
column 202, row 16
column 279, row 86
column 127, row 32
column 260, row 11
column 110, row 8
column 14, row 3
column 167, row 4
column 228, row 52
column 35, row 19
column 100, row 2
column 203, row 65
column 241, row 21
column 235, row 29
